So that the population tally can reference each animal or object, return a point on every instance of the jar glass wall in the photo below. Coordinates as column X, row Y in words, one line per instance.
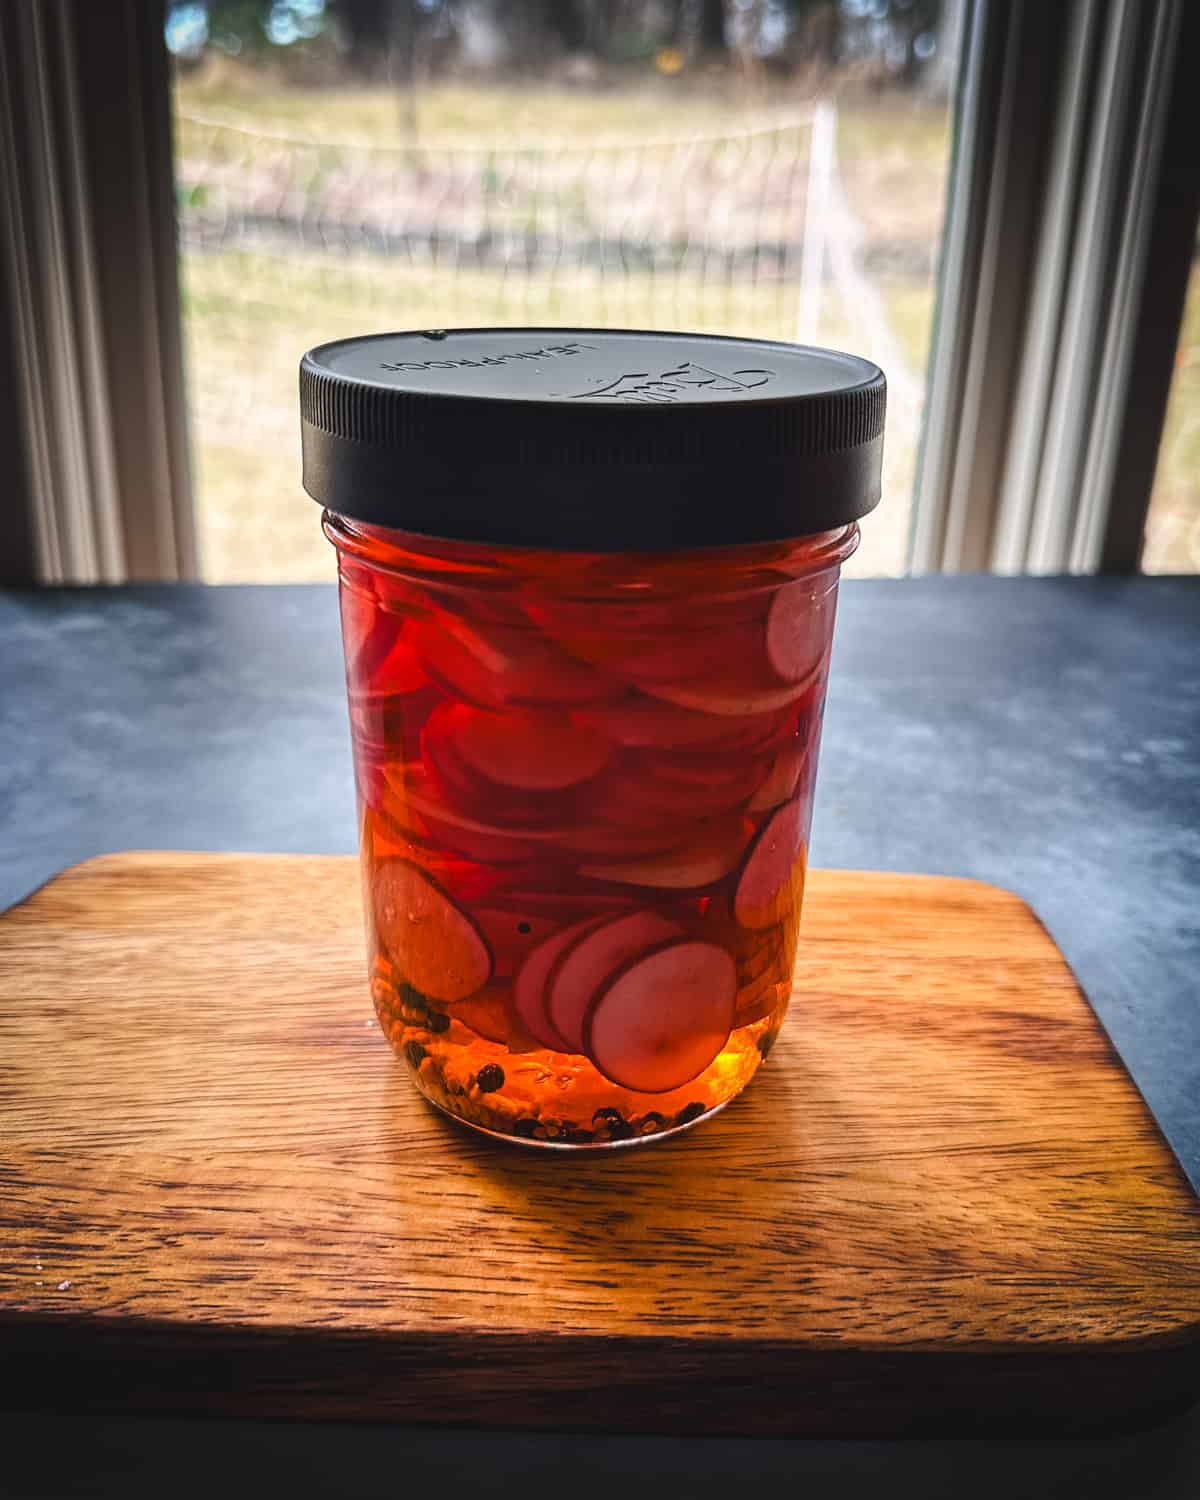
column 588, row 583
column 585, row 786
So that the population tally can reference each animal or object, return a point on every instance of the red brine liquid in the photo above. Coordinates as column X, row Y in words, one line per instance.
column 585, row 788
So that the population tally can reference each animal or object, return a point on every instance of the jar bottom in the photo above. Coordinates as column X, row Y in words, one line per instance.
column 582, row 1147
column 476, row 1083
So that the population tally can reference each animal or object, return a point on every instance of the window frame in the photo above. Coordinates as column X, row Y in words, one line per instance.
column 89, row 281
column 1071, row 177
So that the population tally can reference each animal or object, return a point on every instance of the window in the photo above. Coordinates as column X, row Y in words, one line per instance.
column 1173, row 524
column 995, row 201
column 781, row 174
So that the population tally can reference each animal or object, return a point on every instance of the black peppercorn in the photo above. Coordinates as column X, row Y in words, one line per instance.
column 491, row 1078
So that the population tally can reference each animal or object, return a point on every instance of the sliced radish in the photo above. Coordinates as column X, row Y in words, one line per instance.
column 663, row 1017
column 638, row 721
column 389, row 724
column 799, row 626
column 587, row 963
column 432, row 942
column 528, row 670
column 638, row 798
column 530, row 752
column 448, row 663
column 756, row 999
column 772, row 877
column 719, row 782
column 708, row 856
column 700, row 768
column 411, row 801
column 615, row 839
column 780, row 782
column 763, row 950
column 729, row 695
column 606, row 618
column 529, row 991
column 486, row 1014
column 413, row 788
column 368, row 779
column 696, row 654
column 449, row 868
column 386, row 661
column 563, row 908
column 397, row 594
column 512, row 934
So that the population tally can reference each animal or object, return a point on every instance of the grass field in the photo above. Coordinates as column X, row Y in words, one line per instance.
column 250, row 312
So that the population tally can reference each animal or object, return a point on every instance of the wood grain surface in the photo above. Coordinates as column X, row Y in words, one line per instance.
column 941, row 1207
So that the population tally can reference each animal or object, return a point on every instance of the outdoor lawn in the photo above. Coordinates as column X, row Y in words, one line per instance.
column 255, row 300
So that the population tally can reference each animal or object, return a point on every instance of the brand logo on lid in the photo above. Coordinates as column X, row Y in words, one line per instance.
column 544, row 351
column 643, row 387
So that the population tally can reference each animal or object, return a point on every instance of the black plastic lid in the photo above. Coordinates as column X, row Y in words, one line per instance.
column 591, row 440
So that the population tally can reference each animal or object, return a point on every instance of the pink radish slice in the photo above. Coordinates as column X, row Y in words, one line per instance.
column 563, row 908
column 528, row 670
column 586, row 964
column 684, row 658
column 638, row 798
column 766, row 889
column 729, row 778
column 756, row 999
column 757, row 951
column 433, row 943
column 731, row 695
column 613, row 839
column 710, row 854
column 512, row 934
column 470, row 793
column 386, row 661
column 397, row 595
column 390, row 722
column 527, row 751
column 607, row 618
column 779, row 784
column 484, row 848
column 414, row 789
column 372, row 649
column 448, row 663
column 663, row 1017
column 448, row 868
column 368, row 778
column 529, row 990
column 690, row 768
column 411, row 801
column 638, row 721
column 799, row 624
column 486, row 1014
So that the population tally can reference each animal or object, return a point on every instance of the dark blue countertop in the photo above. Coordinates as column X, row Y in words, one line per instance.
column 1043, row 734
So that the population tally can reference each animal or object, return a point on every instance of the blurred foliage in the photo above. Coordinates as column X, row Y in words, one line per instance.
column 896, row 39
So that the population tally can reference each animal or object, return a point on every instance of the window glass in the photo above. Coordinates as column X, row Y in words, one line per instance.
column 1173, row 523
column 758, row 167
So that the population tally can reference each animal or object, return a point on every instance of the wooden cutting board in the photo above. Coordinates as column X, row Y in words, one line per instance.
column 942, row 1207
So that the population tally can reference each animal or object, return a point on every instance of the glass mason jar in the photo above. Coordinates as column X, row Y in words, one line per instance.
column 588, row 584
